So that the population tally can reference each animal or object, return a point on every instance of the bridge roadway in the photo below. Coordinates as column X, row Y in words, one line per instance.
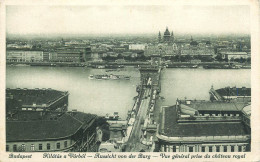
column 134, row 143
column 136, row 132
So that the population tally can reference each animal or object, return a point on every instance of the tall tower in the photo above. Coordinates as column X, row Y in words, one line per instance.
column 167, row 35
column 172, row 37
column 159, row 37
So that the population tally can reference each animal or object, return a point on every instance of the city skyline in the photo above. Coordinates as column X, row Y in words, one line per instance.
column 48, row 20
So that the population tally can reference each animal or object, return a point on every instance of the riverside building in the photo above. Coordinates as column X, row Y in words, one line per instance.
column 51, row 132
column 39, row 100
column 24, row 56
column 203, row 126
column 38, row 120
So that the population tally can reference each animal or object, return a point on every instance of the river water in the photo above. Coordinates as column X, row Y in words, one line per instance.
column 107, row 96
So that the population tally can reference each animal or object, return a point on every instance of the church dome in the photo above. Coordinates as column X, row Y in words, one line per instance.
column 194, row 43
column 167, row 33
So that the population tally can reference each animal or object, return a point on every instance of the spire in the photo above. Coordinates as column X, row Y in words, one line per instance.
column 172, row 37
column 159, row 36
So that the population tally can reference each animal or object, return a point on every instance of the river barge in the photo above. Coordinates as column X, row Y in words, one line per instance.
column 109, row 77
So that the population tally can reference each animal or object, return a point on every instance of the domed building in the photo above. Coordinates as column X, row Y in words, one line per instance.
column 167, row 36
column 193, row 43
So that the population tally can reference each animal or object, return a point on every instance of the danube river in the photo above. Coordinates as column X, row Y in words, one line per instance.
column 107, row 96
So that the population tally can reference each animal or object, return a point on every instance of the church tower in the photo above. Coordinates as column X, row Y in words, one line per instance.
column 167, row 35
column 159, row 37
column 172, row 37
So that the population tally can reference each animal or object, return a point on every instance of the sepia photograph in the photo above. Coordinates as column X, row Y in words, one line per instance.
column 128, row 78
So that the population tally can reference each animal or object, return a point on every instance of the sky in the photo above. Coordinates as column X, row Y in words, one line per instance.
column 137, row 19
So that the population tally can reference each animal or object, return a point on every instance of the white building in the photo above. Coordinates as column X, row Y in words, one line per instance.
column 24, row 56
column 234, row 55
column 137, row 47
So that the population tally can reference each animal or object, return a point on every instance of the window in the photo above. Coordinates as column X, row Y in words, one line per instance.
column 190, row 149
column 40, row 146
column 14, row 148
column 210, row 148
column 225, row 148
column 32, row 147
column 239, row 148
column 232, row 148
column 203, row 149
column 7, row 147
column 58, row 145
column 217, row 149
column 48, row 146
column 174, row 148
column 23, row 147
column 65, row 144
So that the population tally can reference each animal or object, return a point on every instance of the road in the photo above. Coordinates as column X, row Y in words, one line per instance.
column 136, row 132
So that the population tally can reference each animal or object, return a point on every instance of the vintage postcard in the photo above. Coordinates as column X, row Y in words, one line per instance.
column 121, row 80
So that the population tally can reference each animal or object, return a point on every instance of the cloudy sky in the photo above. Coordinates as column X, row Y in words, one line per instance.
column 126, row 19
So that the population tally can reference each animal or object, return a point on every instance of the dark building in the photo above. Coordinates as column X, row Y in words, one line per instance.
column 70, row 56
column 39, row 100
column 230, row 93
column 193, row 42
column 167, row 35
column 87, row 54
column 181, row 132
column 61, row 132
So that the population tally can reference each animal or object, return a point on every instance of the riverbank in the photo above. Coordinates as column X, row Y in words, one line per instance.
column 111, row 65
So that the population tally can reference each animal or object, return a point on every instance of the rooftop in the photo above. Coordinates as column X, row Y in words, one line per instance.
column 247, row 110
column 34, row 96
column 214, row 106
column 234, row 91
column 170, row 127
column 63, row 126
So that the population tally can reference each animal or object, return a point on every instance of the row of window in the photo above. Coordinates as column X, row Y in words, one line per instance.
column 210, row 148
column 232, row 148
column 32, row 148
column 219, row 114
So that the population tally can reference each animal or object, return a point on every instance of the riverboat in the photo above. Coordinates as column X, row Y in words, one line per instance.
column 109, row 77
column 221, row 67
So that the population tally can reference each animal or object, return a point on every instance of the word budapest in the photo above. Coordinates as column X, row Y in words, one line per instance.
column 20, row 156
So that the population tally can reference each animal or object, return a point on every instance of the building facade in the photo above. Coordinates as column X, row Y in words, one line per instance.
column 70, row 131
column 24, row 56
column 167, row 36
column 183, row 131
column 70, row 56
column 234, row 55
column 230, row 93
